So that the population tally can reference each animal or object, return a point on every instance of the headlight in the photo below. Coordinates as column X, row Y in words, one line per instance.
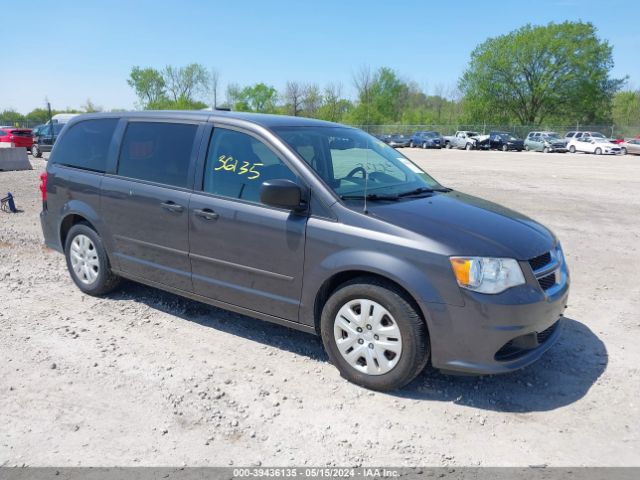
column 486, row 274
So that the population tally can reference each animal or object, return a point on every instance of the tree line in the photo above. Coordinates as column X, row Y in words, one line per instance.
column 555, row 74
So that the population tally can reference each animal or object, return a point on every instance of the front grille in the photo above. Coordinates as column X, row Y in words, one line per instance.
column 540, row 261
column 548, row 281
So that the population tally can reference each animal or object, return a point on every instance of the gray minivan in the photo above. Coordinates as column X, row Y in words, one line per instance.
column 309, row 224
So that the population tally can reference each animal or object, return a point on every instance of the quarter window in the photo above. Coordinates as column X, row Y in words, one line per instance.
column 237, row 165
column 157, row 152
column 86, row 145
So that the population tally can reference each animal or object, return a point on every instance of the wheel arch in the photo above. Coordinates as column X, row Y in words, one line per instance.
column 333, row 283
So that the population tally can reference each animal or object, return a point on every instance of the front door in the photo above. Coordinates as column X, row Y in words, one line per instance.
column 145, row 204
column 243, row 252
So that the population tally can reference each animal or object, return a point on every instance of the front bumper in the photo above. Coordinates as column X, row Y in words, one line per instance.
column 500, row 333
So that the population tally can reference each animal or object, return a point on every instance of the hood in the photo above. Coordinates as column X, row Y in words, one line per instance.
column 468, row 225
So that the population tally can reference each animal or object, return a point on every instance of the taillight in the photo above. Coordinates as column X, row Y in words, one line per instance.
column 43, row 189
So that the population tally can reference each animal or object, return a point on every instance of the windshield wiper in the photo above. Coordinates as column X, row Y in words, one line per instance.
column 371, row 196
column 423, row 190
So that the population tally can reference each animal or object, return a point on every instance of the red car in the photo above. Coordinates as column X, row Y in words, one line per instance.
column 20, row 137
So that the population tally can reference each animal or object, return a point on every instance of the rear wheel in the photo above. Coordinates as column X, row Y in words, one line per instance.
column 623, row 151
column 447, row 145
column 545, row 150
column 424, row 145
column 526, row 147
column 87, row 261
column 35, row 151
column 411, row 145
column 468, row 146
column 572, row 149
column 505, row 148
column 374, row 335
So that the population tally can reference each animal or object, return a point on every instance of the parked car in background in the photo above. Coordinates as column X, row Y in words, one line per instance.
column 575, row 135
column 397, row 140
column 18, row 137
column 464, row 139
column 505, row 141
column 545, row 142
column 426, row 139
column 630, row 146
column 594, row 145
column 46, row 137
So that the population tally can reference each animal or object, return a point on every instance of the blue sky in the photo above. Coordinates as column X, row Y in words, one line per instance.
column 85, row 49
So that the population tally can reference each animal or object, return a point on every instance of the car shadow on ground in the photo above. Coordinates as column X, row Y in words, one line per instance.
column 561, row 377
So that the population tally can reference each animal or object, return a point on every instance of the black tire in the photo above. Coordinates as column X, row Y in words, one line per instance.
column 424, row 145
column 35, row 151
column 413, row 331
column 545, row 150
column 526, row 148
column 623, row 151
column 411, row 145
column 106, row 280
column 505, row 148
column 447, row 145
column 572, row 149
column 468, row 146
column 598, row 151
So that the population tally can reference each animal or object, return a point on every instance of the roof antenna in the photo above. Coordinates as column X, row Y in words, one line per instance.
column 366, row 185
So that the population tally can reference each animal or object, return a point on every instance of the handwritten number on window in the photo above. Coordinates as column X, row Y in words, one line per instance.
column 230, row 164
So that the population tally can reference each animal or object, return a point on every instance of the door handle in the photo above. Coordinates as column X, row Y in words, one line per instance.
column 206, row 213
column 172, row 206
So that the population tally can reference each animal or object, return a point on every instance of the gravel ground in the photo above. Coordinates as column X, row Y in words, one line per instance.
column 143, row 377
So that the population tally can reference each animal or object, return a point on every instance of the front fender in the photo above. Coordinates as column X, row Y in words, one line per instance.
column 416, row 281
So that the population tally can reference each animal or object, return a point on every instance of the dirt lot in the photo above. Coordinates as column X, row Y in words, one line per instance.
column 146, row 378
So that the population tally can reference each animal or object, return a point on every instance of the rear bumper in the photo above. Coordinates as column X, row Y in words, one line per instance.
column 494, row 334
column 49, row 231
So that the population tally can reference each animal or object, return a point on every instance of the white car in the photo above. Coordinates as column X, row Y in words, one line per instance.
column 594, row 145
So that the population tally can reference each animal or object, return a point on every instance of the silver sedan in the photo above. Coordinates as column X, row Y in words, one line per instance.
column 631, row 146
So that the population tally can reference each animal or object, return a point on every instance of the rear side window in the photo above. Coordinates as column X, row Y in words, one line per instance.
column 158, row 152
column 86, row 145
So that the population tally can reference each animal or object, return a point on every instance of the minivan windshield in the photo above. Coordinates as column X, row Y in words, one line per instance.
column 351, row 162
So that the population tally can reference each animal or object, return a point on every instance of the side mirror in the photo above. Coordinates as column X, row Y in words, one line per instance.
column 282, row 193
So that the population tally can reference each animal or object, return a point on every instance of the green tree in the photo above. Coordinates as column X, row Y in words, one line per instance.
column 626, row 108
column 382, row 97
column 183, row 83
column 11, row 117
column 148, row 84
column 537, row 73
column 259, row 98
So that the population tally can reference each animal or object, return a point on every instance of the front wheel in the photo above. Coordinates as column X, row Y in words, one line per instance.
column 545, row 150
column 505, row 148
column 35, row 151
column 424, row 145
column 447, row 145
column 468, row 146
column 598, row 151
column 87, row 261
column 623, row 151
column 374, row 335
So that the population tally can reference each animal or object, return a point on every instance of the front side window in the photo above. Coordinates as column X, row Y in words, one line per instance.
column 237, row 165
column 157, row 152
column 86, row 145
column 351, row 161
